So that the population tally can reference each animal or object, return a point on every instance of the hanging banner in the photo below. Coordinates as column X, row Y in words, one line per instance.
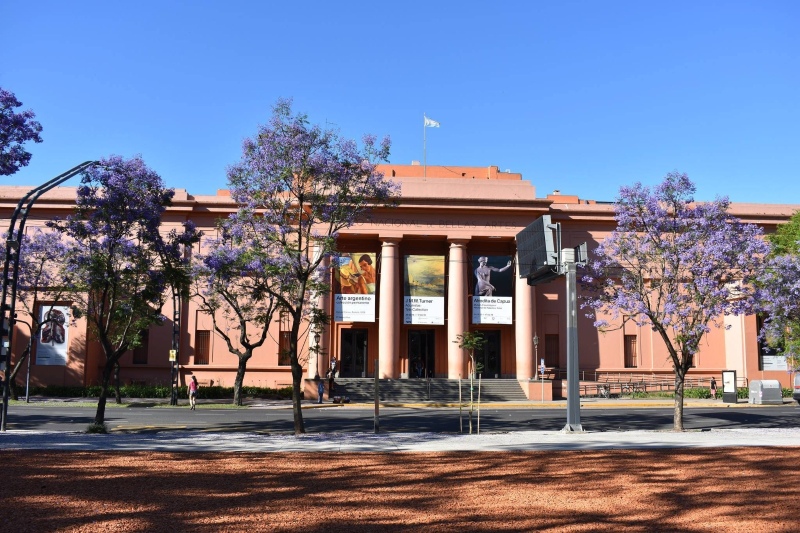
column 491, row 300
column 423, row 289
column 53, row 339
column 354, row 288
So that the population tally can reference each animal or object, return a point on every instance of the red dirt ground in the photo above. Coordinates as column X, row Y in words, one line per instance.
column 725, row 489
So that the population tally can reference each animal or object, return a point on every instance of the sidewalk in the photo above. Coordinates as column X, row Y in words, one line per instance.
column 586, row 403
column 198, row 441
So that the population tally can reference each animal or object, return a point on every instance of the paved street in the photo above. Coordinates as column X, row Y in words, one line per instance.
column 268, row 426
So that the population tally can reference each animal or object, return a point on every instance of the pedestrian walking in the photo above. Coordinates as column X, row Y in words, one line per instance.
column 320, row 389
column 713, row 387
column 193, row 386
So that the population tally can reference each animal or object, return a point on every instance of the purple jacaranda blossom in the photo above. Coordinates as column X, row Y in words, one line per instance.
column 780, row 283
column 675, row 266
column 15, row 130
column 298, row 185
column 121, row 265
column 40, row 277
column 235, row 285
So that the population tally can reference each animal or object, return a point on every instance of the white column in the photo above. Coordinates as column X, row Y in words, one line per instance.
column 389, row 312
column 317, row 359
column 457, row 322
column 735, row 348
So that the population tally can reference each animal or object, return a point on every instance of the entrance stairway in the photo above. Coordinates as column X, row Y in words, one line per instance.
column 435, row 390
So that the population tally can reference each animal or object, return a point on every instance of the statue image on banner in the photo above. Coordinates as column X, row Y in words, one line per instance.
column 491, row 301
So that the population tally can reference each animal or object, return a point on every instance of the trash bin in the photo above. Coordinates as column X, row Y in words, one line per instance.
column 765, row 391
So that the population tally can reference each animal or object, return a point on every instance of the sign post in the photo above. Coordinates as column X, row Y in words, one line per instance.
column 729, row 394
column 541, row 375
column 541, row 260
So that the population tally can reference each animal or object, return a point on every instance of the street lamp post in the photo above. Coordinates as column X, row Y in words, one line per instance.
column 317, row 338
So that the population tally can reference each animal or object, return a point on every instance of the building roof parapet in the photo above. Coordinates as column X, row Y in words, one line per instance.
column 417, row 171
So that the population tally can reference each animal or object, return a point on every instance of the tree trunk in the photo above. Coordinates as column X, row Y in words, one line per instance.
column 297, row 375
column 297, row 395
column 677, row 417
column 116, row 384
column 297, row 408
column 12, row 378
column 100, row 415
column 237, row 383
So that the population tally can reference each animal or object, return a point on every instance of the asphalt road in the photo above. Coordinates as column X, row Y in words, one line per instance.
column 279, row 420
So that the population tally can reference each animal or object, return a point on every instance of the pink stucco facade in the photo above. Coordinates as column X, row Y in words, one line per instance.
column 450, row 218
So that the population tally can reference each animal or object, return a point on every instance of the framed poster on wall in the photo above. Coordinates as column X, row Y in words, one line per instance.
column 423, row 289
column 53, row 340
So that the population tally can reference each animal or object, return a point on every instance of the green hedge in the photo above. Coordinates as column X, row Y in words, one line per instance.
column 161, row 391
column 743, row 393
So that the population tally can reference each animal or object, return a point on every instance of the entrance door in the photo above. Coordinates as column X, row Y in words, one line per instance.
column 421, row 354
column 353, row 353
column 487, row 359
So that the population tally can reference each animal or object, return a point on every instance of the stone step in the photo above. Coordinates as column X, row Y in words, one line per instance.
column 361, row 390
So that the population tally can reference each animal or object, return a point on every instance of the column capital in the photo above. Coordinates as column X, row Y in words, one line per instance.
column 457, row 242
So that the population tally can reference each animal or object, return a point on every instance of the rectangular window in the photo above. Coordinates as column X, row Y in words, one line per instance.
column 631, row 359
column 284, row 347
column 140, row 353
column 551, row 350
column 202, row 347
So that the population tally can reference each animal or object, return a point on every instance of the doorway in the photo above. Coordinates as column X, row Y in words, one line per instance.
column 421, row 354
column 353, row 353
column 487, row 359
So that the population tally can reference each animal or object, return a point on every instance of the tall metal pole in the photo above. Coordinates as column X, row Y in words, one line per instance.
column 573, row 384
column 424, row 147
column 377, row 421
column 11, row 268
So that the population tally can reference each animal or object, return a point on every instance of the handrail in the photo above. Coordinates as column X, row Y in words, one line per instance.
column 634, row 380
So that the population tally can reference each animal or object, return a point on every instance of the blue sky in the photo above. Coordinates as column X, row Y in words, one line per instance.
column 583, row 97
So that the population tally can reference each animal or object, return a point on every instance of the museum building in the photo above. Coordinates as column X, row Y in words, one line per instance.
column 408, row 281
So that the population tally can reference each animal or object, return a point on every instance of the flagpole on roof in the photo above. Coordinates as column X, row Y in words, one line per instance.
column 426, row 123
column 424, row 146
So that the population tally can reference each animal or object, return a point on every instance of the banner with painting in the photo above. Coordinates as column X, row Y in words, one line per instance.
column 354, row 288
column 53, row 339
column 491, row 300
column 423, row 289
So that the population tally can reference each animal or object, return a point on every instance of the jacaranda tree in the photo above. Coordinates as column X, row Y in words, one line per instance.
column 40, row 278
column 121, row 264
column 15, row 130
column 781, row 285
column 299, row 185
column 676, row 266
column 234, row 283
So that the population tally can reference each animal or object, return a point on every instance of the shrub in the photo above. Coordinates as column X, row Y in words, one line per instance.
column 94, row 427
column 161, row 391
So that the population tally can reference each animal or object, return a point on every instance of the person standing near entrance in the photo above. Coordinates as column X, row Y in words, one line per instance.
column 331, row 376
column 713, row 388
column 483, row 287
column 193, row 386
